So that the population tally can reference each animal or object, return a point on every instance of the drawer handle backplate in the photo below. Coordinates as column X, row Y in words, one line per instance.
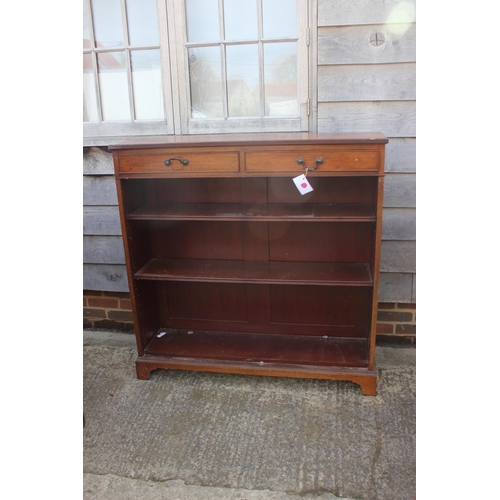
column 169, row 161
column 319, row 161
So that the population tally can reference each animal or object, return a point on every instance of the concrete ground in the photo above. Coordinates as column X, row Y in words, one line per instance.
column 201, row 436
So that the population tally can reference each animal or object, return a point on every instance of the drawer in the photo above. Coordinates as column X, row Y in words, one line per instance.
column 333, row 160
column 180, row 161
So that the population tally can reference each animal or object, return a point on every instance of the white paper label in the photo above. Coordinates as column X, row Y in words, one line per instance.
column 302, row 184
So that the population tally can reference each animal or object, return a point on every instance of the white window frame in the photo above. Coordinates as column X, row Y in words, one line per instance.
column 173, row 48
column 107, row 132
column 236, row 125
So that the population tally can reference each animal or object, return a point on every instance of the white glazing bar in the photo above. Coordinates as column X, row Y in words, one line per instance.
column 223, row 61
column 91, row 24
column 94, row 60
column 127, row 59
column 308, row 69
column 130, row 84
column 97, row 86
column 261, row 59
column 169, row 77
column 237, row 42
column 118, row 49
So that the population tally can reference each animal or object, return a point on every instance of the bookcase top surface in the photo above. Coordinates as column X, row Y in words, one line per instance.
column 250, row 139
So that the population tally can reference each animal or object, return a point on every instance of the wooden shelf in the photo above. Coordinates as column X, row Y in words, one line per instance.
column 220, row 271
column 260, row 348
column 272, row 212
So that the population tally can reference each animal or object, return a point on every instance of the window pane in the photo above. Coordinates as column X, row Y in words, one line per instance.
column 240, row 19
column 243, row 91
column 108, row 30
column 146, row 79
column 279, row 18
column 113, row 86
column 86, row 28
column 280, row 79
column 206, row 82
column 89, row 97
column 202, row 20
column 142, row 22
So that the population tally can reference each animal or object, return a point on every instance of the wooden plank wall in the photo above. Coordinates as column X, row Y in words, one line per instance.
column 103, row 256
column 366, row 78
column 365, row 83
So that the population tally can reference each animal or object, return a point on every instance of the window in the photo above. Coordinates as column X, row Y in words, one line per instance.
column 125, row 90
column 193, row 66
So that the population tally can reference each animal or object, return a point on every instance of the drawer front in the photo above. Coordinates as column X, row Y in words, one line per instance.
column 333, row 161
column 179, row 162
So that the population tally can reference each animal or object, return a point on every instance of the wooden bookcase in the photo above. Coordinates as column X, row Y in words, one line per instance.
column 232, row 270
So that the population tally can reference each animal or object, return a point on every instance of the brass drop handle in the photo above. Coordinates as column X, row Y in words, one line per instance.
column 319, row 161
column 169, row 161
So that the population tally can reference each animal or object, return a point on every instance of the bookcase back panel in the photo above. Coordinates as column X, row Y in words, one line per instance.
column 205, row 301
column 314, row 305
column 275, row 309
column 253, row 190
column 215, row 190
column 261, row 241
column 215, row 241
column 318, row 242
column 325, row 190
